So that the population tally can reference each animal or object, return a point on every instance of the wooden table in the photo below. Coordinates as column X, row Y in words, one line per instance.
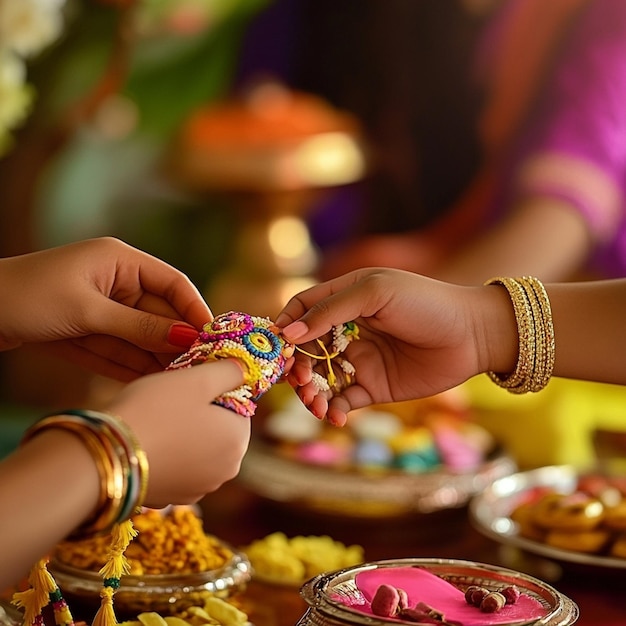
column 239, row 517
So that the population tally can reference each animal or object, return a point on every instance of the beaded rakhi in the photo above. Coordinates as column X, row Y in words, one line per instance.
column 255, row 341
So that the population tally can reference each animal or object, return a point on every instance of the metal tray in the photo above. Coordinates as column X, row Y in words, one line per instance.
column 359, row 494
column 490, row 514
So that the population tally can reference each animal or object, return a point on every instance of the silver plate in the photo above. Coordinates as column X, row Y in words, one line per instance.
column 361, row 494
column 320, row 592
column 164, row 593
column 490, row 514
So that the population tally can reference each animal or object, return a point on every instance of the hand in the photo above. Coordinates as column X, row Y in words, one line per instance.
column 418, row 336
column 101, row 304
column 193, row 446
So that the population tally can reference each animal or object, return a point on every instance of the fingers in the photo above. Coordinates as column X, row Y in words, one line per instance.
column 315, row 311
column 331, row 404
column 106, row 356
column 151, row 303
column 174, row 418
column 162, row 280
column 305, row 300
column 151, row 332
column 334, row 408
column 143, row 284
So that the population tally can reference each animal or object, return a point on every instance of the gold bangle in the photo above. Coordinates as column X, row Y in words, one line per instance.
column 119, row 431
column 108, row 463
column 121, row 463
column 536, row 346
column 135, row 460
column 525, row 330
column 542, row 313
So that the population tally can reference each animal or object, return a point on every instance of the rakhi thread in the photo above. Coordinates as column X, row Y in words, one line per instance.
column 343, row 336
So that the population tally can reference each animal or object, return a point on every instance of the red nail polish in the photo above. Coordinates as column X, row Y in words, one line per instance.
column 181, row 335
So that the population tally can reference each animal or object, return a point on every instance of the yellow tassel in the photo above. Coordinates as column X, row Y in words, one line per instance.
column 116, row 564
column 105, row 615
column 33, row 600
column 115, row 567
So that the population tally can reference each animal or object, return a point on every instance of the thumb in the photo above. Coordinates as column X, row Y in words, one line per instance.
column 212, row 378
column 185, row 389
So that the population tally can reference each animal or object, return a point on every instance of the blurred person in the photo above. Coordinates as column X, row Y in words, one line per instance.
column 498, row 146
column 497, row 130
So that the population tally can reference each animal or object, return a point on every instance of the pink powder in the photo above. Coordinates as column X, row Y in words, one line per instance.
column 423, row 586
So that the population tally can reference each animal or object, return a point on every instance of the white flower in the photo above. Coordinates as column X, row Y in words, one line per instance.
column 347, row 367
column 321, row 384
column 28, row 26
column 340, row 341
column 343, row 335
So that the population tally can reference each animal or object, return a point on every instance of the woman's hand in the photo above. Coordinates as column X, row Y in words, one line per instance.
column 193, row 446
column 418, row 336
column 101, row 304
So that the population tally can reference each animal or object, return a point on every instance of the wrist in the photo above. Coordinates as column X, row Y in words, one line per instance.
column 75, row 472
column 121, row 464
column 499, row 339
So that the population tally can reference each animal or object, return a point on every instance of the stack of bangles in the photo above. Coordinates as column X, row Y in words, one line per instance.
column 122, row 465
column 535, row 329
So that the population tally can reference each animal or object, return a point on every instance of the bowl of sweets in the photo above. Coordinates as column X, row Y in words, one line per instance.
column 277, row 559
column 388, row 461
column 575, row 518
column 173, row 565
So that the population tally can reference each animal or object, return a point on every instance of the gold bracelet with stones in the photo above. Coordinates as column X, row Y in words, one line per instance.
column 536, row 347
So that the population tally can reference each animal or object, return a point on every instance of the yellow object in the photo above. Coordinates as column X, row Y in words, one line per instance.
column 173, row 620
column 151, row 618
column 172, row 542
column 225, row 613
column 536, row 335
column 409, row 439
column 215, row 611
column 37, row 596
column 280, row 559
column 554, row 426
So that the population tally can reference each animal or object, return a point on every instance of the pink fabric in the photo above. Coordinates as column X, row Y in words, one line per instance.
column 581, row 115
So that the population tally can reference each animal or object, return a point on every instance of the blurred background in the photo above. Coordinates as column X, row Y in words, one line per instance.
column 258, row 144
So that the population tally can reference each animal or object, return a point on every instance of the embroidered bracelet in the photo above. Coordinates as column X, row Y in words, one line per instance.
column 255, row 341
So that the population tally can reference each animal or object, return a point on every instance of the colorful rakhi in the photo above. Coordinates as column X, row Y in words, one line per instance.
column 255, row 341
